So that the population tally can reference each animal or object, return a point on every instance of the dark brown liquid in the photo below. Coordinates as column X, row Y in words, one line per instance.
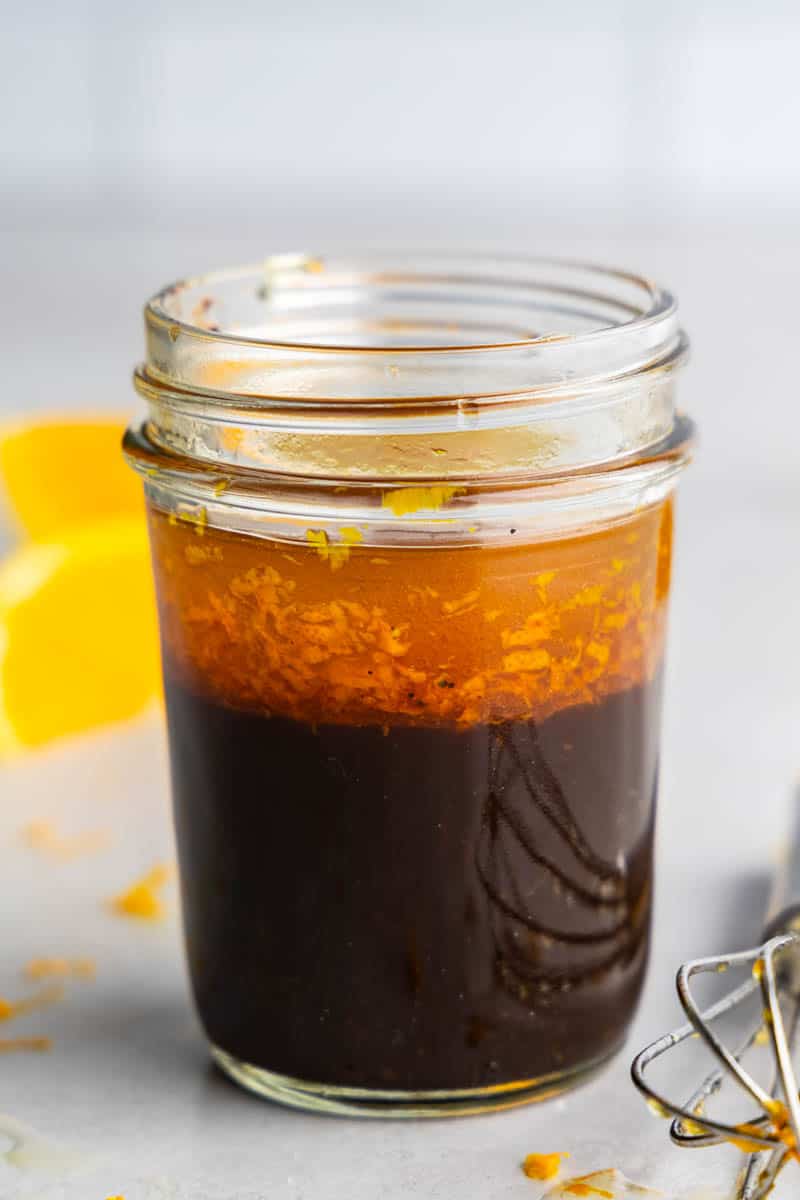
column 416, row 908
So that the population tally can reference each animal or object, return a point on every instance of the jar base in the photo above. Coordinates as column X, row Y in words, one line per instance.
column 374, row 1102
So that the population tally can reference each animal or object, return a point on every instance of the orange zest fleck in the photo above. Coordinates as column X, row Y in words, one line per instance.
column 607, row 1184
column 233, row 436
column 9, row 1045
column 583, row 1187
column 694, row 1127
column 543, row 1166
column 19, row 1008
column 746, row 1145
column 462, row 603
column 659, row 1109
column 779, row 1129
column 43, row 835
column 141, row 900
column 403, row 501
column 195, row 517
column 334, row 553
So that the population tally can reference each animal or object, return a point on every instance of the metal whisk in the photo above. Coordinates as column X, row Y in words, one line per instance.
column 773, row 1136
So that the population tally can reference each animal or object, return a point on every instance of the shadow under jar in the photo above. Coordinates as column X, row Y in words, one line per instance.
column 411, row 524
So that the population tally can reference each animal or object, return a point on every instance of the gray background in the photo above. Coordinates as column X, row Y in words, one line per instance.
column 445, row 117
column 143, row 142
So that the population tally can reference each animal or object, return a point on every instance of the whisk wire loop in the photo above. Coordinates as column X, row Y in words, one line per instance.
column 691, row 1126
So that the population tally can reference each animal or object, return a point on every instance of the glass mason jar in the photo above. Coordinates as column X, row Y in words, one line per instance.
column 411, row 524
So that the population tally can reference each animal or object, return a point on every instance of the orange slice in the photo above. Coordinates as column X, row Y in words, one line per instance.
column 78, row 639
column 63, row 472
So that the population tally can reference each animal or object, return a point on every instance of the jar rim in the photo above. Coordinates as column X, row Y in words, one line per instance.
column 661, row 302
column 402, row 325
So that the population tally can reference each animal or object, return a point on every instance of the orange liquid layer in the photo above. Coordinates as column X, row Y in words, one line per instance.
column 413, row 636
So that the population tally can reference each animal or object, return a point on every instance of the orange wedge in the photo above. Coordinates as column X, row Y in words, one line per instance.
column 78, row 640
column 61, row 472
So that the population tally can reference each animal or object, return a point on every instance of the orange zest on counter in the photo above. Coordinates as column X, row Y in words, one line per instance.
column 543, row 1166
column 63, row 968
column 43, row 835
column 582, row 1185
column 9, row 1045
column 141, row 899
column 41, row 999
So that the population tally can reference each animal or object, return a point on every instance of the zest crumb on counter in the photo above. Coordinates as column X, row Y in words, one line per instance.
column 587, row 1185
column 608, row 1184
column 8, row 1045
column 18, row 1008
column 43, row 835
column 543, row 1166
column 62, row 968
column 579, row 1188
column 141, row 900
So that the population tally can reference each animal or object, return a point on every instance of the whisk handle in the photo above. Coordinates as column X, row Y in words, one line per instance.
column 783, row 910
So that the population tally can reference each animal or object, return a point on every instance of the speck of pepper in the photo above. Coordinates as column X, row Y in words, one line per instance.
column 512, row 531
